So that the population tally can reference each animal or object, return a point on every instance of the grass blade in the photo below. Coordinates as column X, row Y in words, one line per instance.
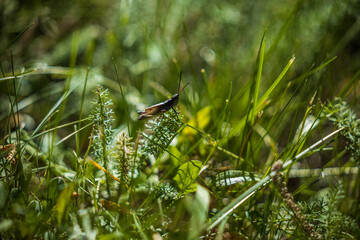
column 275, row 83
column 251, row 191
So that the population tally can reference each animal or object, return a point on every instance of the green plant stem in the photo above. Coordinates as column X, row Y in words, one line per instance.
column 267, row 179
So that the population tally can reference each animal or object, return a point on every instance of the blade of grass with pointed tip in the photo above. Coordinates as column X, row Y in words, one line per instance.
column 258, row 75
column 15, row 38
column 139, row 228
column 123, row 98
column 57, row 118
column 284, row 28
column 275, row 83
column 15, row 106
column 350, row 85
column 81, row 111
column 240, row 125
column 52, row 111
column 253, row 96
column 307, row 74
column 73, row 133
column 19, row 75
column 223, row 114
column 55, row 128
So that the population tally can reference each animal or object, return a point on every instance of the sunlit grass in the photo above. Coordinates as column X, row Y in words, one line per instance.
column 258, row 148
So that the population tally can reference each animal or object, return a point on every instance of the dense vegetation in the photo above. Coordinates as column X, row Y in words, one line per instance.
column 263, row 144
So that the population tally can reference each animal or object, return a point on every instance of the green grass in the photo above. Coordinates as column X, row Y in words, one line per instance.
column 265, row 144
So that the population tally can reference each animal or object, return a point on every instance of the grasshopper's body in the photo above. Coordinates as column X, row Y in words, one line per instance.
column 163, row 106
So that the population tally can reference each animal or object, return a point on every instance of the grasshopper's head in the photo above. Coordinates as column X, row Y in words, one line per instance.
column 175, row 99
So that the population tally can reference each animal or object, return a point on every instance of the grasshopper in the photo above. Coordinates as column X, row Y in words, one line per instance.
column 163, row 106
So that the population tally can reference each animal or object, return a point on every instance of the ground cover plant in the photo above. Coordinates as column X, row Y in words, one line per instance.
column 263, row 143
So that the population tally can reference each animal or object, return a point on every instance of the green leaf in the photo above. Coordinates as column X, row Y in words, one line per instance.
column 186, row 175
column 63, row 200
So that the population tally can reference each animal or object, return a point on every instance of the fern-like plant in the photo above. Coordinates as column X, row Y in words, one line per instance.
column 160, row 131
column 343, row 117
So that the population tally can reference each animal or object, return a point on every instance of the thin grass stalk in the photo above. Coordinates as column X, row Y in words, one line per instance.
column 81, row 108
column 123, row 98
column 251, row 191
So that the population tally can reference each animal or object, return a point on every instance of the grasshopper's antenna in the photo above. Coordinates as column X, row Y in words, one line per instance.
column 184, row 87
column 179, row 83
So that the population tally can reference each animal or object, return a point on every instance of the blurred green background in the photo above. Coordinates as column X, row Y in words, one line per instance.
column 151, row 41
column 214, row 43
